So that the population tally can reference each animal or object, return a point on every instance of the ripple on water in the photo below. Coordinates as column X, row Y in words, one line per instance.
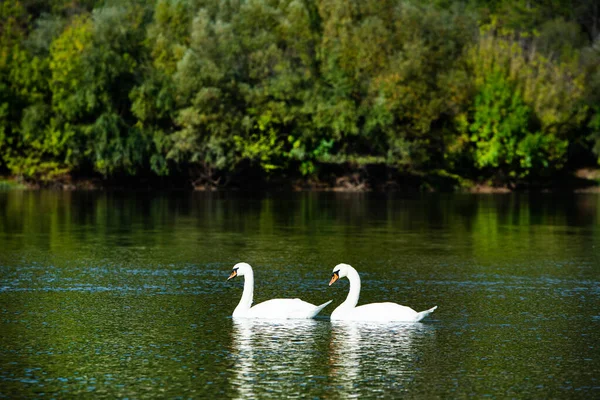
column 125, row 295
column 168, row 279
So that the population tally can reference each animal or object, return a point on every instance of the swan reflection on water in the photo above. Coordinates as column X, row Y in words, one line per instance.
column 276, row 358
column 364, row 354
column 294, row 358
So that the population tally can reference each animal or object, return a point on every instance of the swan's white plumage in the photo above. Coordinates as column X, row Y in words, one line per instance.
column 270, row 309
column 282, row 309
column 381, row 312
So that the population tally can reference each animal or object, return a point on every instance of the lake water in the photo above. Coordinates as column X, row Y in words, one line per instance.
column 125, row 295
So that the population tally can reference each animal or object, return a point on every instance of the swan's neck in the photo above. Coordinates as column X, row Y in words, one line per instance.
column 248, row 294
column 354, row 293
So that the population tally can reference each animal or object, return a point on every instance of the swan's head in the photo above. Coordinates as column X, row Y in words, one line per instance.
column 240, row 269
column 339, row 271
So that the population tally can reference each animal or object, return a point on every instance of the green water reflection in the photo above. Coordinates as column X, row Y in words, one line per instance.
column 124, row 294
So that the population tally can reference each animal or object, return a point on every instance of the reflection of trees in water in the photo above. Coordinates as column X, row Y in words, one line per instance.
column 273, row 358
column 366, row 355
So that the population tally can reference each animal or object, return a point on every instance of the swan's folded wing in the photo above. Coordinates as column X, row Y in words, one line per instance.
column 383, row 312
column 285, row 309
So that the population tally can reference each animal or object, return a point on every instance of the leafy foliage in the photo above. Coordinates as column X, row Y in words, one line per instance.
column 213, row 87
column 501, row 131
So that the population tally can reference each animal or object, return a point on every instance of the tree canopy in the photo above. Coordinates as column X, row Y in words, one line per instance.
column 505, row 90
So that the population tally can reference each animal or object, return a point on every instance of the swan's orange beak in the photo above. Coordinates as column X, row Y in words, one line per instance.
column 334, row 277
column 233, row 274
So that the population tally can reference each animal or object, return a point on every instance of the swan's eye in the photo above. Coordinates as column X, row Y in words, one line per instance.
column 337, row 273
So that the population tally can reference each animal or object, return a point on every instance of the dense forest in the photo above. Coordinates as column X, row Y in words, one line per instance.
column 217, row 91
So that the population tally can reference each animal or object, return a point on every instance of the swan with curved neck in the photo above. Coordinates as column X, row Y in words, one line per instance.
column 384, row 312
column 271, row 309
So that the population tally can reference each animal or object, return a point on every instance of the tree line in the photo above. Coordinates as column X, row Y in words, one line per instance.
column 501, row 90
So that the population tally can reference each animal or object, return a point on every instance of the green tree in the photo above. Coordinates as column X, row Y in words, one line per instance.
column 215, row 88
column 526, row 106
column 93, row 67
column 24, row 148
column 502, row 132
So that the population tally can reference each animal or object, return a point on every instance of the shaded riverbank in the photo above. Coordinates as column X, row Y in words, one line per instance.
column 368, row 178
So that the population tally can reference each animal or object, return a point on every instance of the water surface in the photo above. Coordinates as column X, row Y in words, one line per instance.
column 125, row 294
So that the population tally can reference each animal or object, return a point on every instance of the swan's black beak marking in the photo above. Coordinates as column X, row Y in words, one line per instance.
column 334, row 277
column 233, row 274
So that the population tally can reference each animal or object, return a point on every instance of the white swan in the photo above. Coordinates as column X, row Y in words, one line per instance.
column 271, row 309
column 383, row 312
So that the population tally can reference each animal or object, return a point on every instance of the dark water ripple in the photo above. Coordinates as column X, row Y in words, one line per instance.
column 125, row 295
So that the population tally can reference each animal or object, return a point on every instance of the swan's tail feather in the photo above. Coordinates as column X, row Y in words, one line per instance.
column 319, row 308
column 423, row 314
